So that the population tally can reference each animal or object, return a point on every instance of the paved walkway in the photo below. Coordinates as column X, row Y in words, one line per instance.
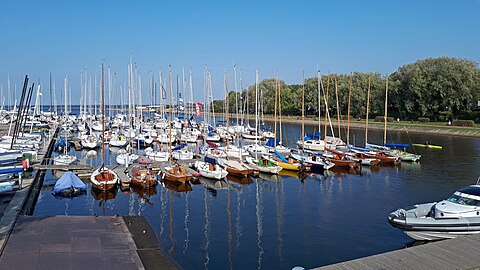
column 83, row 242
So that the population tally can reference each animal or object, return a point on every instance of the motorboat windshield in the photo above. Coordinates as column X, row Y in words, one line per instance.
column 466, row 196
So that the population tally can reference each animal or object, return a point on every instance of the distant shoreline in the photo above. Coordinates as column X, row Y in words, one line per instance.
column 424, row 128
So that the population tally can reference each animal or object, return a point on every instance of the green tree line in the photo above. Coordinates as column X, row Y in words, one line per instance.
column 437, row 88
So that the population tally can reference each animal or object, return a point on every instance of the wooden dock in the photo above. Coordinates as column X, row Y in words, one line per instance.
column 459, row 253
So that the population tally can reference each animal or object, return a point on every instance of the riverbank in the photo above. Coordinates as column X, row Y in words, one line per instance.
column 407, row 126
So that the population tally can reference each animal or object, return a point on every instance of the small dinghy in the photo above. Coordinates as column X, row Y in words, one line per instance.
column 455, row 216
column 69, row 185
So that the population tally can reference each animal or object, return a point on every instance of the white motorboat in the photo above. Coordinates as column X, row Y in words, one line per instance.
column 64, row 159
column 209, row 170
column 455, row 216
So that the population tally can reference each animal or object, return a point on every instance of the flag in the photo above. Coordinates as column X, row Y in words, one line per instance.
column 198, row 106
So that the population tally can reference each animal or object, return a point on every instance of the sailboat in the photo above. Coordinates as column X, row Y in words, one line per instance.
column 255, row 149
column 65, row 158
column 103, row 178
column 174, row 173
column 382, row 156
column 142, row 176
column 403, row 155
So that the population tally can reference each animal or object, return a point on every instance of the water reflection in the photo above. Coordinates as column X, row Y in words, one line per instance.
column 214, row 184
column 259, row 218
column 187, row 233
column 247, row 180
column 103, row 195
column 270, row 177
column 206, row 231
column 177, row 187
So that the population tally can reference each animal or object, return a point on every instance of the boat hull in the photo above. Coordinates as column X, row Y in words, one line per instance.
column 418, row 223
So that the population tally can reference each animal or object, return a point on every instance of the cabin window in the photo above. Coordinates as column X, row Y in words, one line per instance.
column 463, row 201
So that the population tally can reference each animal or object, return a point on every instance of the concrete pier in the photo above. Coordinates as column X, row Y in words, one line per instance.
column 83, row 242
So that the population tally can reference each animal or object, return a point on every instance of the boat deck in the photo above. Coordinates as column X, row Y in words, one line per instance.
column 459, row 253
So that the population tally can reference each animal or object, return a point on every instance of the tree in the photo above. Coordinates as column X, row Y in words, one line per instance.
column 435, row 85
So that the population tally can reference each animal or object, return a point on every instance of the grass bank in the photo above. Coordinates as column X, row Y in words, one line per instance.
column 440, row 128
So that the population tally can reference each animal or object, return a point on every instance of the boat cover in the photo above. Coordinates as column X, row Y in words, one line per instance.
column 60, row 143
column 315, row 136
column 179, row 147
column 212, row 144
column 397, row 145
column 210, row 160
column 357, row 148
column 270, row 142
column 68, row 180
column 280, row 156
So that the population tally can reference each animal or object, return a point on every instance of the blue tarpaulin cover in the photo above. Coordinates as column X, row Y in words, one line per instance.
column 68, row 180
column 315, row 136
column 179, row 147
column 270, row 142
column 210, row 160
column 397, row 145
column 280, row 156
column 60, row 143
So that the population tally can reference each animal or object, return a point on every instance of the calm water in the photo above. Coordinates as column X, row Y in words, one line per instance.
column 281, row 222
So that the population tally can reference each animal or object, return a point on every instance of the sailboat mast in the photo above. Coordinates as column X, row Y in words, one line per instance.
column 65, row 83
column 256, row 105
column 338, row 109
column 385, row 117
column 326, row 110
column 191, row 93
column 103, row 118
column 226, row 106
column 366, row 117
column 348, row 113
column 280, row 111
column 236, row 90
column 51, row 97
column 275, row 112
column 303, row 109
column 171, row 112
column 319, row 108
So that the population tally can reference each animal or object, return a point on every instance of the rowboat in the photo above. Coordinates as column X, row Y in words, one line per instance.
column 176, row 173
column 142, row 176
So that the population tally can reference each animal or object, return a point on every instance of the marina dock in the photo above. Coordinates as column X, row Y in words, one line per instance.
column 83, row 242
column 458, row 253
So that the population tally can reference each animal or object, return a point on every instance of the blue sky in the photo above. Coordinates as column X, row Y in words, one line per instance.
column 38, row 37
